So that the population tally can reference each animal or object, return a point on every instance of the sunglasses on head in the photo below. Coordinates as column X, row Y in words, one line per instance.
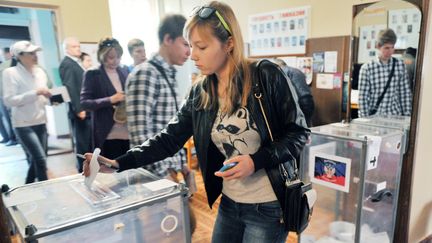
column 109, row 43
column 207, row 12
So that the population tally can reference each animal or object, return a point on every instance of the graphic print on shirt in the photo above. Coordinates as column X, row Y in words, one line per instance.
column 236, row 133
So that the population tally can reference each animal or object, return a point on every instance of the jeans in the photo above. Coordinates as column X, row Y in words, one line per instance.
column 251, row 223
column 33, row 139
column 6, row 128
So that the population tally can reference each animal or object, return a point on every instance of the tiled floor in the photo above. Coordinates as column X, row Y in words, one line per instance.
column 13, row 163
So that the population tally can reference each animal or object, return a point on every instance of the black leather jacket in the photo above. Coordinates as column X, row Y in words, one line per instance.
column 285, row 117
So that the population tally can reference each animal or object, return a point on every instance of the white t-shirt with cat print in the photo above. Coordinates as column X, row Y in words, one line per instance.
column 238, row 135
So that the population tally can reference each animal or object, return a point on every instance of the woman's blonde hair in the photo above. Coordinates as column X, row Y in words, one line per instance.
column 239, row 85
column 105, row 45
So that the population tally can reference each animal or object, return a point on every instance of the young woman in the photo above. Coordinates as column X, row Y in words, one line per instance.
column 228, row 126
column 101, row 93
column 26, row 92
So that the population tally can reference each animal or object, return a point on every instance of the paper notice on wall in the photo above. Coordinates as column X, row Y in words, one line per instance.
column 318, row 62
column 330, row 61
column 354, row 96
column 373, row 151
column 324, row 81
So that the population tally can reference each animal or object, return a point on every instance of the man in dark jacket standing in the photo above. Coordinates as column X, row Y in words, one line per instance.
column 298, row 80
column 71, row 74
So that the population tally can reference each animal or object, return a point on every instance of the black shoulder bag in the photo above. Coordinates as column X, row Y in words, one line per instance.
column 297, row 210
column 375, row 108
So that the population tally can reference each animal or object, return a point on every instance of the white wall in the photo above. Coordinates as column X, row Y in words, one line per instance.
column 421, row 199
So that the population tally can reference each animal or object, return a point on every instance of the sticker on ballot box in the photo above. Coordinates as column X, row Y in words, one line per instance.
column 373, row 151
column 159, row 185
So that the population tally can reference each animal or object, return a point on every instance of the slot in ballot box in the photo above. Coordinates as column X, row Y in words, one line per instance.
column 131, row 206
column 390, row 121
column 356, row 171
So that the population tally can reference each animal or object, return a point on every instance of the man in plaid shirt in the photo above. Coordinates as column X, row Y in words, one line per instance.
column 373, row 79
column 151, row 95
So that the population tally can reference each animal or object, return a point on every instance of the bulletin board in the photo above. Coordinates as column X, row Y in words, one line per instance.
column 406, row 24
column 279, row 33
column 368, row 42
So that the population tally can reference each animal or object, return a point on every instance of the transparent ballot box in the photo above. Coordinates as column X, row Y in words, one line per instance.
column 355, row 170
column 390, row 121
column 131, row 206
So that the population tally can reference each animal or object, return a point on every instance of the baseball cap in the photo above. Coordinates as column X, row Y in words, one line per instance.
column 23, row 46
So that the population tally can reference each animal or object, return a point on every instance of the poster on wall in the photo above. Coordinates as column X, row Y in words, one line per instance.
column 305, row 65
column 324, row 81
column 318, row 62
column 280, row 32
column 368, row 42
column 406, row 24
column 330, row 61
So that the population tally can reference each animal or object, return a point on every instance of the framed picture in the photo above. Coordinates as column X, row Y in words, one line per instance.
column 330, row 170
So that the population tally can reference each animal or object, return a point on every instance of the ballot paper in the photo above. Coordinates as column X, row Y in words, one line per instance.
column 159, row 185
column 311, row 197
column 94, row 169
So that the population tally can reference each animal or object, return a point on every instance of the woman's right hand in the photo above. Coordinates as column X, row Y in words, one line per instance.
column 43, row 91
column 106, row 165
column 117, row 97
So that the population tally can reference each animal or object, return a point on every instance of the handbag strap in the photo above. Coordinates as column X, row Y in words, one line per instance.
column 258, row 94
column 162, row 72
column 387, row 85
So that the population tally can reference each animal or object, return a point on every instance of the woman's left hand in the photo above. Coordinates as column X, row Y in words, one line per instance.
column 244, row 168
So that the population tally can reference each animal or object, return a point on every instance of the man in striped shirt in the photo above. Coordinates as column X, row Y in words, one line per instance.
column 152, row 94
column 373, row 79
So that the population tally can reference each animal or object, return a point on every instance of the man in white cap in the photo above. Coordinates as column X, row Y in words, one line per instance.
column 25, row 91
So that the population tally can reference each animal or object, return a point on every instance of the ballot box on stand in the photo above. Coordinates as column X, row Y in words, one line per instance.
column 131, row 206
column 356, row 171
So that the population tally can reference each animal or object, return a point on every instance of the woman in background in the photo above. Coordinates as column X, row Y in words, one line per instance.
column 103, row 92
column 25, row 88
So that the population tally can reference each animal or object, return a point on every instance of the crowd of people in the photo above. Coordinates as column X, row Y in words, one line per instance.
column 135, row 115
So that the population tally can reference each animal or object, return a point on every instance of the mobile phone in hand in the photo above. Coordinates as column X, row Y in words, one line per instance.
column 228, row 166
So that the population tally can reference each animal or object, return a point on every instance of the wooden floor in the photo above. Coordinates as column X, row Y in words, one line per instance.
column 13, row 168
column 206, row 217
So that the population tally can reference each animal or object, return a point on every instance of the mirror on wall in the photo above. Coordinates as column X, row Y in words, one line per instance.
column 404, row 18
